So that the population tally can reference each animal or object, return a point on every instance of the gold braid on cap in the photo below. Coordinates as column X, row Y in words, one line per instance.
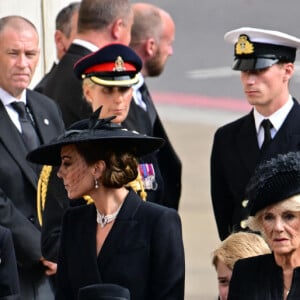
column 42, row 188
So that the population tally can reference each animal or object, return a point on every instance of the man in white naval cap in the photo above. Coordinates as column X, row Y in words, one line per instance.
column 265, row 59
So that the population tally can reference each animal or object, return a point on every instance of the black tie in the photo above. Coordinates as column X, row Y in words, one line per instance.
column 29, row 134
column 267, row 125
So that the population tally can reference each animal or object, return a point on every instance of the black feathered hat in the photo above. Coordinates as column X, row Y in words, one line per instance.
column 103, row 291
column 100, row 133
column 273, row 181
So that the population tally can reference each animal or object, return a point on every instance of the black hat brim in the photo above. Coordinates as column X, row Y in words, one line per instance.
column 248, row 64
column 103, row 292
column 137, row 144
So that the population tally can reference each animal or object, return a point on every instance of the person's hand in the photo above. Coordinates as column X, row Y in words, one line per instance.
column 50, row 266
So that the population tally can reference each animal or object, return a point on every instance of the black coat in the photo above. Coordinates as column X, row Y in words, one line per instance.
column 9, row 279
column 260, row 278
column 143, row 252
column 18, row 180
column 169, row 163
column 66, row 89
column 235, row 154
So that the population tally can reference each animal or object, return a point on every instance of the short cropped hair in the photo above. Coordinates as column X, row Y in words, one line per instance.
column 98, row 14
column 239, row 245
column 63, row 18
column 15, row 21
column 146, row 24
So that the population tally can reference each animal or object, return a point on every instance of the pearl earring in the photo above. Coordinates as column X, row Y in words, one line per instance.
column 96, row 183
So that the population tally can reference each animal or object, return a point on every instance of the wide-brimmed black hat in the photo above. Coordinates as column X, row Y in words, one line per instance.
column 274, row 180
column 104, row 292
column 256, row 48
column 112, row 65
column 99, row 132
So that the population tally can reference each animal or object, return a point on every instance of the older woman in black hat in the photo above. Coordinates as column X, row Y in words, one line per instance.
column 119, row 239
column 107, row 77
column 274, row 202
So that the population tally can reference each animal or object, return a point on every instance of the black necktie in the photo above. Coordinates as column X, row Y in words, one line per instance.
column 29, row 133
column 267, row 125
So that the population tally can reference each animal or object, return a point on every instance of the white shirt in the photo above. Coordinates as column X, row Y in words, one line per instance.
column 277, row 119
column 137, row 96
column 85, row 44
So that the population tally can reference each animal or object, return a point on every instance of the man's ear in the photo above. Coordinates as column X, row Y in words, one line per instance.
column 150, row 47
column 59, row 43
column 289, row 71
column 117, row 28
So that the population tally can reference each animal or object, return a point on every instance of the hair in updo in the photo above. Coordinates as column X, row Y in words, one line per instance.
column 121, row 165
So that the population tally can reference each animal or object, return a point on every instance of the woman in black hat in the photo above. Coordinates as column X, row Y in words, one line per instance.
column 107, row 78
column 118, row 239
column 274, row 202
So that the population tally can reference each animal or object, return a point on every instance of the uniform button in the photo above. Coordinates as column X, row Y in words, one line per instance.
column 245, row 203
column 32, row 219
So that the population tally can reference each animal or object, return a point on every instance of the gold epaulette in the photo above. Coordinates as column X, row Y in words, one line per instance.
column 42, row 188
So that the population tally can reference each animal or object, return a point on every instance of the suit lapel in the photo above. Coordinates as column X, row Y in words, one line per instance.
column 42, row 121
column 12, row 141
column 247, row 144
column 288, row 136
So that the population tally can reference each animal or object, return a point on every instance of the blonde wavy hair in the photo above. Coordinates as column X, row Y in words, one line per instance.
column 239, row 245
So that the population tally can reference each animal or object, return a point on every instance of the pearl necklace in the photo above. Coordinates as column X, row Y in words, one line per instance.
column 103, row 219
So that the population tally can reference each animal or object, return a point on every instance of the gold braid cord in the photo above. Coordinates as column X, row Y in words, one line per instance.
column 42, row 188
column 138, row 186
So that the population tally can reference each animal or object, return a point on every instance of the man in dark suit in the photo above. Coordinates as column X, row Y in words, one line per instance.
column 100, row 22
column 152, row 35
column 266, row 61
column 65, row 31
column 39, row 121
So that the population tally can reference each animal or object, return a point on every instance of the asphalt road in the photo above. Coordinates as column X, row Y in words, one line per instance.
column 191, row 131
column 202, row 59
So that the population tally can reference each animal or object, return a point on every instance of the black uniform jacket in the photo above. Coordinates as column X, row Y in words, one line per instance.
column 66, row 89
column 235, row 153
column 260, row 278
column 18, row 180
column 169, row 163
column 143, row 251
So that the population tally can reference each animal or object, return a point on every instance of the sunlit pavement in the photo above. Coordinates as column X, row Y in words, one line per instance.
column 191, row 131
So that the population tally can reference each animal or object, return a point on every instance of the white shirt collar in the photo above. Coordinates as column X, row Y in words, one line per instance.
column 140, row 82
column 7, row 98
column 85, row 44
column 277, row 118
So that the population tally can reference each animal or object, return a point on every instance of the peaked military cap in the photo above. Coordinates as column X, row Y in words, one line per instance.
column 256, row 48
column 273, row 181
column 112, row 65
